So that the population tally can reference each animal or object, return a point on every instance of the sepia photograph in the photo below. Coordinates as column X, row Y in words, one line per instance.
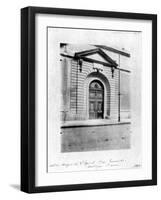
column 94, row 99
column 95, row 110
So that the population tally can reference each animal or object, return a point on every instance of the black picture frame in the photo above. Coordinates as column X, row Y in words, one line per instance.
column 28, row 98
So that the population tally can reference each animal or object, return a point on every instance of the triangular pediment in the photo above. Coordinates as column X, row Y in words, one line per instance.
column 96, row 55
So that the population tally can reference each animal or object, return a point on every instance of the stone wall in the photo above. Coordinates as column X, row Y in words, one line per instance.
column 75, row 89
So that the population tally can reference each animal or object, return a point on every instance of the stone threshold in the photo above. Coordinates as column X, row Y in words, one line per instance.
column 89, row 123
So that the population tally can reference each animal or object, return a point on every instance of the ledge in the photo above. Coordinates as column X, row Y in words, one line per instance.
column 89, row 123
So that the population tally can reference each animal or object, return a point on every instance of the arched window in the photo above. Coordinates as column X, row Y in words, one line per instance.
column 96, row 100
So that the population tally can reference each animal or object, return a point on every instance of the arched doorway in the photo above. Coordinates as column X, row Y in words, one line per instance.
column 96, row 100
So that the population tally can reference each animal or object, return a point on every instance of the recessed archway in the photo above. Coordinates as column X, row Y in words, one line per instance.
column 103, row 81
column 96, row 100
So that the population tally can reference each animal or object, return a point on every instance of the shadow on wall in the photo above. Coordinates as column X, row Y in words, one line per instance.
column 15, row 186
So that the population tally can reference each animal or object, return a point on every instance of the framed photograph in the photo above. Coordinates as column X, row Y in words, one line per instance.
column 88, row 99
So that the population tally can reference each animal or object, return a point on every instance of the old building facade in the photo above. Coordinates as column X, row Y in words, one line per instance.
column 90, row 84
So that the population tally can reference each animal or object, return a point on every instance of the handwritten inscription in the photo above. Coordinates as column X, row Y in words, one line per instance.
column 90, row 164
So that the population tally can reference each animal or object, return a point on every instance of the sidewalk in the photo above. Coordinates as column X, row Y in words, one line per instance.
column 95, row 135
